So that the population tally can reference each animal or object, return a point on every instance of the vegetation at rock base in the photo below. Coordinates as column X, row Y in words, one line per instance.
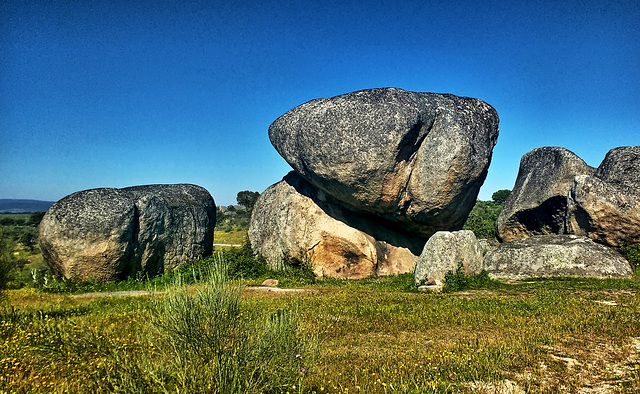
column 204, row 338
column 632, row 254
column 457, row 280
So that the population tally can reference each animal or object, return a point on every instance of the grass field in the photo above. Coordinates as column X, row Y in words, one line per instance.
column 16, row 216
column 371, row 336
column 232, row 237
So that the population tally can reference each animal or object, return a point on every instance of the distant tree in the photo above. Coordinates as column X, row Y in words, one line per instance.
column 501, row 196
column 35, row 219
column 247, row 198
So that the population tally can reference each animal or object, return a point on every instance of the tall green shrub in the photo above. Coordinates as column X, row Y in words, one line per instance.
column 234, row 349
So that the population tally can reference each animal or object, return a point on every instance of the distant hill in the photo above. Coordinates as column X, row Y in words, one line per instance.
column 21, row 206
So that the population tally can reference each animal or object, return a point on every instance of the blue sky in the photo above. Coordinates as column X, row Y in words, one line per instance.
column 121, row 93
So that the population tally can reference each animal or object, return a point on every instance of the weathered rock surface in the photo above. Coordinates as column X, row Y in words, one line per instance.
column 294, row 221
column 414, row 158
column 538, row 202
column 555, row 255
column 109, row 234
column 487, row 245
column 89, row 233
column 606, row 206
column 442, row 253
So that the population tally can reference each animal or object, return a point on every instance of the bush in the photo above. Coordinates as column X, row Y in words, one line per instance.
column 234, row 350
column 482, row 219
column 632, row 254
column 457, row 280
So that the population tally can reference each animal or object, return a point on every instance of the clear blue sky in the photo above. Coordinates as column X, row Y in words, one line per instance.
column 120, row 93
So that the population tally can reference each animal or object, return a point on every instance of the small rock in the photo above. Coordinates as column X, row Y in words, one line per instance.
column 442, row 253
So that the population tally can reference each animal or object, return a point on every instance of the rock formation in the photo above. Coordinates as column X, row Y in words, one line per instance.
column 555, row 255
column 377, row 172
column 442, row 253
column 606, row 206
column 294, row 222
column 107, row 234
column 538, row 202
column 415, row 158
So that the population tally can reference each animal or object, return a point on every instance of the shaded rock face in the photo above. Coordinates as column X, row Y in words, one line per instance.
column 442, row 253
column 294, row 221
column 538, row 202
column 606, row 206
column 109, row 234
column 414, row 158
column 555, row 255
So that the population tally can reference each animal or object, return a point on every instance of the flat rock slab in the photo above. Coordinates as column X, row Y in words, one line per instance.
column 555, row 255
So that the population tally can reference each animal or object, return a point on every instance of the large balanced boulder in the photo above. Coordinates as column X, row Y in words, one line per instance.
column 443, row 252
column 555, row 255
column 538, row 202
column 108, row 234
column 606, row 206
column 408, row 157
column 296, row 223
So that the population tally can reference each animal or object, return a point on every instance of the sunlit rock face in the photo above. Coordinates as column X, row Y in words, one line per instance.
column 295, row 222
column 606, row 206
column 555, row 255
column 414, row 158
column 107, row 234
column 538, row 202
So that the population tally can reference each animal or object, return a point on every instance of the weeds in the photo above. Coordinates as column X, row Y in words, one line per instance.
column 235, row 350
column 457, row 280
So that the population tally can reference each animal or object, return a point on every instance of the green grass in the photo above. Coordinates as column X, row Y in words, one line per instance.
column 559, row 335
column 237, row 237
column 16, row 216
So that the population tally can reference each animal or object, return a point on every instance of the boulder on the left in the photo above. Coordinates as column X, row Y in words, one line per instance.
column 108, row 234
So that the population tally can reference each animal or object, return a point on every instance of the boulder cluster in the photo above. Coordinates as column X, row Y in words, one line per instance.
column 108, row 234
column 383, row 181
column 558, row 193
column 562, row 218
column 376, row 173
